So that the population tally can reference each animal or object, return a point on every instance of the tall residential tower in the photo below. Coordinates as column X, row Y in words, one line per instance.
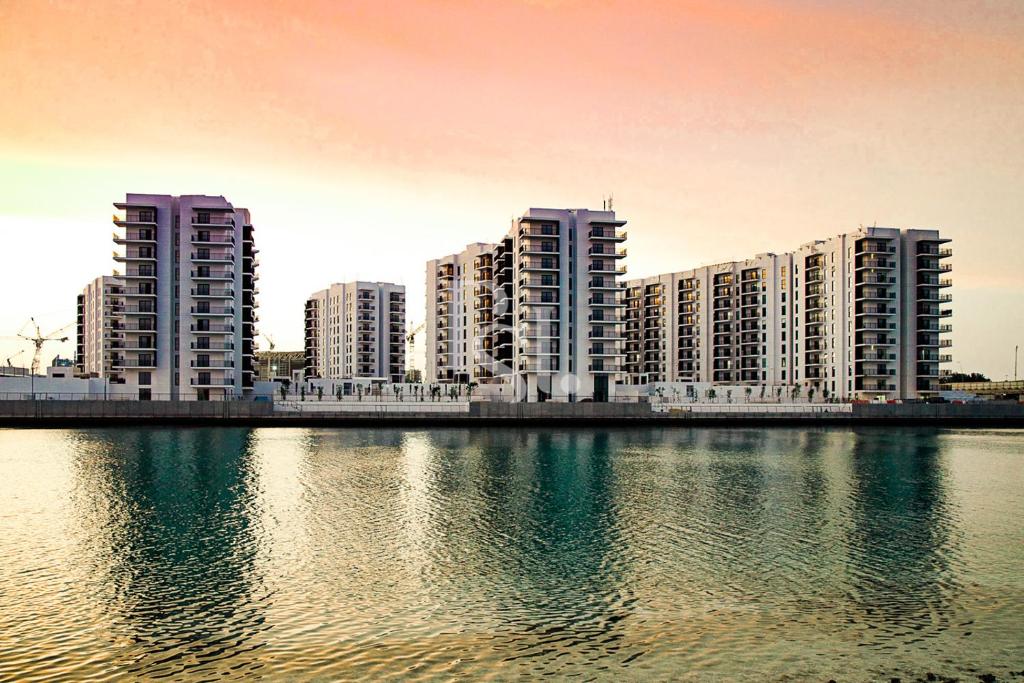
column 187, row 328
column 541, row 310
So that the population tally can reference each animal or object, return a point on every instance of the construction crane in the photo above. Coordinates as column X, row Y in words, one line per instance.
column 270, row 340
column 410, row 337
column 39, row 340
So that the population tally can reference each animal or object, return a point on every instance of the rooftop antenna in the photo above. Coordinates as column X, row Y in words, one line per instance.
column 611, row 198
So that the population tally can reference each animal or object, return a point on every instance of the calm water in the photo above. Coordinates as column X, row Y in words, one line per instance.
column 635, row 554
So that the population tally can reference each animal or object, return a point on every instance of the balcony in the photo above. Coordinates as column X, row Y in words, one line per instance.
column 538, row 283
column 541, row 264
column 606, row 268
column 606, row 302
column 213, row 329
column 608, row 286
column 213, row 257
column 140, row 363
column 607, row 234
column 213, row 275
column 601, row 368
column 138, row 310
column 136, row 237
column 206, row 293
column 872, row 262
column 608, row 335
column 528, row 230
column 537, row 248
column 212, row 346
column 134, row 217
column 214, row 364
column 212, row 381
column 540, row 350
column 538, row 368
column 213, row 220
column 605, row 352
column 213, row 310
column 133, row 255
column 608, row 253
column 875, row 247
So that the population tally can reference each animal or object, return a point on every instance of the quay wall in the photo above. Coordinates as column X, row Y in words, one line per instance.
column 263, row 414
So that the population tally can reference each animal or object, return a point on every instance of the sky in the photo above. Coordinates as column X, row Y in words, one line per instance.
column 368, row 137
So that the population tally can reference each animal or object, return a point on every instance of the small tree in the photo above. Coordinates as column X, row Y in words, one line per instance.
column 711, row 395
column 284, row 392
column 824, row 394
column 397, row 390
column 320, row 393
column 810, row 394
column 778, row 394
column 469, row 390
column 302, row 393
column 796, row 391
column 359, row 392
column 728, row 396
column 764, row 388
column 747, row 392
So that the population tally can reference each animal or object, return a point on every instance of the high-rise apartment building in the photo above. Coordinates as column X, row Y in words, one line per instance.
column 459, row 305
column 857, row 316
column 541, row 310
column 187, row 327
column 356, row 329
column 96, row 340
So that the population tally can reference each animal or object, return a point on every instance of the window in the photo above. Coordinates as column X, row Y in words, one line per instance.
column 145, row 378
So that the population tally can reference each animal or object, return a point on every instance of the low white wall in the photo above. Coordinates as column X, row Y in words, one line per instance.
column 752, row 408
column 367, row 406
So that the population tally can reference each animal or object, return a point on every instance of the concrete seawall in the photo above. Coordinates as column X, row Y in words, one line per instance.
column 43, row 414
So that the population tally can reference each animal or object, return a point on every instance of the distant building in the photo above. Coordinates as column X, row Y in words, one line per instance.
column 356, row 329
column 96, row 340
column 279, row 365
column 541, row 310
column 857, row 315
column 187, row 326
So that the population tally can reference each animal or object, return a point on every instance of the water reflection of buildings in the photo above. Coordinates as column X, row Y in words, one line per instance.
column 902, row 551
column 173, row 523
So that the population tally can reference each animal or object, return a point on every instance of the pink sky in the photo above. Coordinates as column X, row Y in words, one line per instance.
column 366, row 137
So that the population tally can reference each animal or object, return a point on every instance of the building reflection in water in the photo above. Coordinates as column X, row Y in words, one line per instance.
column 174, row 530
column 903, row 554
column 379, row 552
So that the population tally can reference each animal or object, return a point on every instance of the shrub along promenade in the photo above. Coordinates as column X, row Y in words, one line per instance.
column 58, row 413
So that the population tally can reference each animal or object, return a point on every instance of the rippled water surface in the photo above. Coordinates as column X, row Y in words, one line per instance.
column 635, row 554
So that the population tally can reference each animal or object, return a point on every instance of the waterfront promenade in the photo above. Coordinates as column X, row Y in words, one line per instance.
column 327, row 413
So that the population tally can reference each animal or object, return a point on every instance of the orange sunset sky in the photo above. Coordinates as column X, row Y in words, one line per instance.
column 367, row 137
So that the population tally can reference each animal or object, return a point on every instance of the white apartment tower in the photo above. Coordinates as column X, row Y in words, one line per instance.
column 540, row 311
column 96, row 340
column 356, row 329
column 187, row 328
column 857, row 316
column 459, row 308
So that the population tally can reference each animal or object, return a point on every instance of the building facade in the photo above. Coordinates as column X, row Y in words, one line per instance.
column 855, row 316
column 356, row 329
column 459, row 299
column 188, row 268
column 540, row 311
column 98, row 305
